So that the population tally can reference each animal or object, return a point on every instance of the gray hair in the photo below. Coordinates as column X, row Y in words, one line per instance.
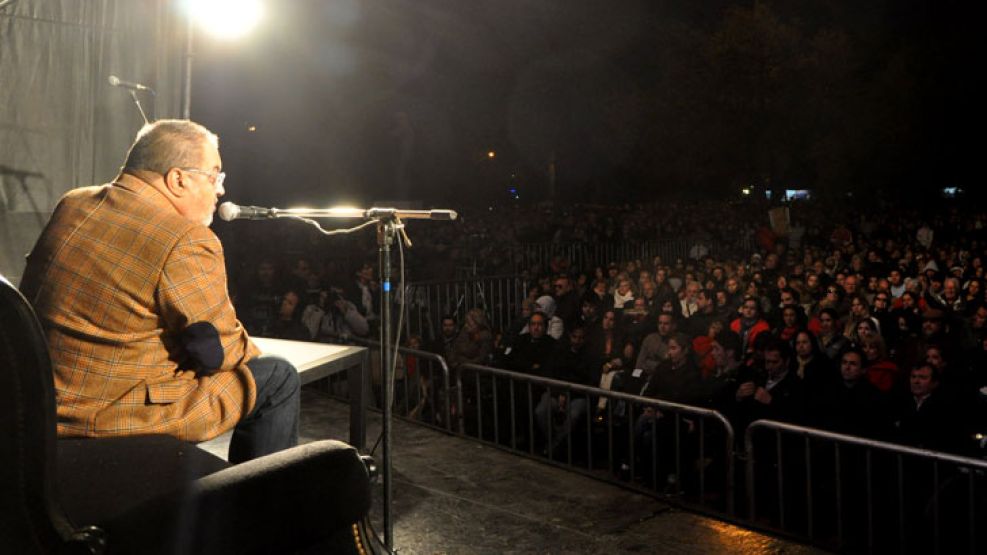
column 168, row 143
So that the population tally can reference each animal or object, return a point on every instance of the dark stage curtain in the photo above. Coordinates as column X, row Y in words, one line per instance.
column 61, row 124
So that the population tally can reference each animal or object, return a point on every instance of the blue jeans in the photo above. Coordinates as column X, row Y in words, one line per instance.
column 272, row 425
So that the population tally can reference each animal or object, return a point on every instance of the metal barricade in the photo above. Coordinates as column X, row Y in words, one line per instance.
column 850, row 493
column 587, row 256
column 647, row 444
column 426, row 302
column 425, row 391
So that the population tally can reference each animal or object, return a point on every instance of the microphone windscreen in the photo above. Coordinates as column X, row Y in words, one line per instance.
column 228, row 211
column 114, row 80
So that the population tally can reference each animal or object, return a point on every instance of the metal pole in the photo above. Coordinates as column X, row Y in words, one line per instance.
column 385, row 235
column 187, row 82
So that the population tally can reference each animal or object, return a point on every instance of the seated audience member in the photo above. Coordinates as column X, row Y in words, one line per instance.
column 623, row 295
column 288, row 324
column 924, row 418
column 811, row 365
column 520, row 321
column 364, row 291
column 638, row 322
column 677, row 378
column 749, row 325
column 448, row 331
column 831, row 342
column 598, row 295
column 566, row 301
column 569, row 364
column 702, row 316
column 605, row 341
column 859, row 313
column 789, row 324
column 335, row 320
column 256, row 300
column 546, row 305
column 474, row 343
column 853, row 405
column 771, row 391
column 655, row 346
column 880, row 370
column 532, row 352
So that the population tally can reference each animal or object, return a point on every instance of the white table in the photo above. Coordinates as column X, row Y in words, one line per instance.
column 315, row 361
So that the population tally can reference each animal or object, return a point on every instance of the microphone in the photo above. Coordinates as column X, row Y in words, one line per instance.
column 117, row 82
column 229, row 212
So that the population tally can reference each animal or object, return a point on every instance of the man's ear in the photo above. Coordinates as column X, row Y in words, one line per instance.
column 174, row 182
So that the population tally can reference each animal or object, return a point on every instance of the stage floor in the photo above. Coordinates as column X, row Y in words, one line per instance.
column 458, row 496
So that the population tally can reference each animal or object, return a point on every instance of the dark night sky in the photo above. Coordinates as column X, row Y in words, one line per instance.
column 365, row 100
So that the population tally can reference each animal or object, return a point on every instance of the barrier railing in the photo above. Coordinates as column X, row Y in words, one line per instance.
column 644, row 443
column 425, row 391
column 851, row 493
column 427, row 301
column 587, row 256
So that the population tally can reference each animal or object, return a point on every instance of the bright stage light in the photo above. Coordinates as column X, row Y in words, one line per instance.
column 226, row 19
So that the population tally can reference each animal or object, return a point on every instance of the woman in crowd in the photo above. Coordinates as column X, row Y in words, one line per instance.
column 881, row 371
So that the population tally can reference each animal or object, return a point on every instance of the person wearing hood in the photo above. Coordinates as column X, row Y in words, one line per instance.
column 555, row 327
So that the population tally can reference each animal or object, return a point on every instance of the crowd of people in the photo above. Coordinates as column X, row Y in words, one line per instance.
column 872, row 324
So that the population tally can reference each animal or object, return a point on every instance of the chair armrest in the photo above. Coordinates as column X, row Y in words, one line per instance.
column 278, row 503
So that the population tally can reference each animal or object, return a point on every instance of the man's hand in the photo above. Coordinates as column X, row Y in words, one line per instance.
column 745, row 390
column 762, row 396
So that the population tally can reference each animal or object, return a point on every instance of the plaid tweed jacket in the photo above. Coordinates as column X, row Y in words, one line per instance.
column 116, row 277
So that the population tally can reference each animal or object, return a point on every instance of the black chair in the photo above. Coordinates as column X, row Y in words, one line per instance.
column 155, row 494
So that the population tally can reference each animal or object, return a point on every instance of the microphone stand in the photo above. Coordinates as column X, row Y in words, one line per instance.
column 389, row 225
column 140, row 109
column 386, row 231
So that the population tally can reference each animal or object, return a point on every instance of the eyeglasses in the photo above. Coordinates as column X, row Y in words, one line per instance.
column 216, row 178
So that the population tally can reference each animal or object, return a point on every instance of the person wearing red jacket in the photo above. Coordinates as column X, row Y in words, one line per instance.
column 749, row 324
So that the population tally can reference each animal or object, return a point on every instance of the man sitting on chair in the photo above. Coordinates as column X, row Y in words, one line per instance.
column 130, row 286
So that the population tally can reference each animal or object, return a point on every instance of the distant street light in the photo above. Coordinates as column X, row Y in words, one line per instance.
column 491, row 154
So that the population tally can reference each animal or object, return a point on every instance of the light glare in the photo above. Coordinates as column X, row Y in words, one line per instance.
column 226, row 19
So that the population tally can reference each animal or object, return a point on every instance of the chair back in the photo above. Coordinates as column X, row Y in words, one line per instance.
column 31, row 521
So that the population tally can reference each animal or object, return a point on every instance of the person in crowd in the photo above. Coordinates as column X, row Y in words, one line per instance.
column 567, row 305
column 473, row 343
column 365, row 294
column 599, row 295
column 773, row 391
column 703, row 315
column 654, row 349
column 880, row 369
column 832, row 342
column 638, row 322
column 546, row 305
column 532, row 352
column 789, row 325
column 859, row 311
column 688, row 304
column 623, row 295
column 749, row 324
column 811, row 365
column 156, row 348
column 256, row 300
column 926, row 419
column 335, row 320
column 559, row 411
column 677, row 378
column 448, row 331
column 853, row 405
